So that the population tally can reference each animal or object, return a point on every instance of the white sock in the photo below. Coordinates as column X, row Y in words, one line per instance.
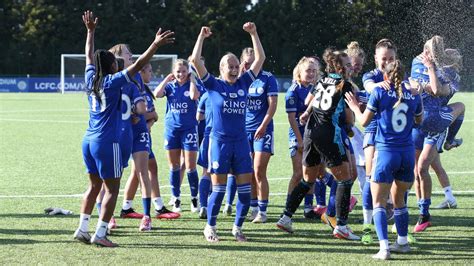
column 367, row 216
column 101, row 229
column 402, row 240
column 262, row 213
column 84, row 220
column 383, row 244
column 127, row 204
column 448, row 193
column 254, row 208
column 158, row 202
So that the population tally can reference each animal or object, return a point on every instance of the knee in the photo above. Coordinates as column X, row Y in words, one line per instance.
column 95, row 188
column 423, row 170
column 113, row 188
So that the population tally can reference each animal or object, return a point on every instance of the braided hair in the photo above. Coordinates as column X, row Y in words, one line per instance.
column 394, row 73
column 104, row 61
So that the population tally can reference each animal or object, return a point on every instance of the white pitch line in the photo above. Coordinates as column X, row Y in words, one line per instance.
column 44, row 121
column 41, row 110
column 277, row 194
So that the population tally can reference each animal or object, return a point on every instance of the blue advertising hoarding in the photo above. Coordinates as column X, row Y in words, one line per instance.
column 52, row 84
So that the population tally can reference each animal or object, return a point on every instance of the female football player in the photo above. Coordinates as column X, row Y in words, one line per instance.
column 395, row 110
column 100, row 147
column 305, row 75
column 261, row 107
column 182, row 92
column 385, row 53
column 229, row 147
column 428, row 72
column 323, row 144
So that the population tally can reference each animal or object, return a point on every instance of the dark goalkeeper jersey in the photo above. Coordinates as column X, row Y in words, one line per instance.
column 329, row 101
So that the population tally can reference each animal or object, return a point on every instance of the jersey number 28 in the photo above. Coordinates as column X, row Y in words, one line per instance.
column 323, row 97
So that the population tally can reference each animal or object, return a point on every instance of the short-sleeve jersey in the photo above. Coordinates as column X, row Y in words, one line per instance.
column 264, row 86
column 419, row 72
column 449, row 75
column 105, row 113
column 150, row 105
column 294, row 99
column 394, row 125
column 205, row 108
column 375, row 76
column 229, row 104
column 180, row 108
column 328, row 102
column 130, row 97
column 141, row 126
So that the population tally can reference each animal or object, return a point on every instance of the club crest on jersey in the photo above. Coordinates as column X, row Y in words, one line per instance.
column 291, row 100
column 186, row 93
column 241, row 92
column 215, row 165
column 257, row 87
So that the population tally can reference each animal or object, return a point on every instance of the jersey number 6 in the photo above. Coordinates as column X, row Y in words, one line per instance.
column 399, row 117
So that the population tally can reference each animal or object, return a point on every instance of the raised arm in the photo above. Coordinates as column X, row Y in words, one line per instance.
column 159, row 91
column 435, row 86
column 257, row 47
column 91, row 23
column 193, row 89
column 161, row 38
column 197, row 52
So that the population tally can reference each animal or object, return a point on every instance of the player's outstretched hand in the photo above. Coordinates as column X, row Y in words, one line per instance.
column 250, row 27
column 351, row 101
column 163, row 38
column 414, row 86
column 89, row 20
column 385, row 85
column 205, row 32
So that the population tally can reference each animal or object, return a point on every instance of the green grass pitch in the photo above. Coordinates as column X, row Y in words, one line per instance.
column 41, row 166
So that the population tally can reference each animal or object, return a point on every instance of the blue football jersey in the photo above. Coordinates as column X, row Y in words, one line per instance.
column 130, row 97
column 419, row 72
column 180, row 108
column 375, row 76
column 141, row 126
column 105, row 116
column 394, row 125
column 150, row 105
column 294, row 99
column 229, row 104
column 264, row 86
column 205, row 108
column 449, row 75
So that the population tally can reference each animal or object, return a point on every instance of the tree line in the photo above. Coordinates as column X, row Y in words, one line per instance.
column 34, row 33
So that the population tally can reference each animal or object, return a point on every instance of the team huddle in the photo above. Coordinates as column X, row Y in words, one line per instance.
column 225, row 125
